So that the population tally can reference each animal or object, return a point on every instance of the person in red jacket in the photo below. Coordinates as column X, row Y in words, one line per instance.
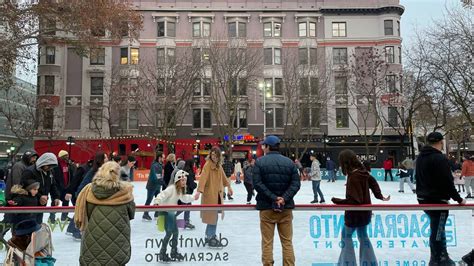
column 387, row 166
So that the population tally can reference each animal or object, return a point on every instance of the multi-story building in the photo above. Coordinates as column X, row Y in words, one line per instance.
column 317, row 35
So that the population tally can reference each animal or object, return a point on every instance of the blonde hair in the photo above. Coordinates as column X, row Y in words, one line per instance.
column 171, row 157
column 108, row 176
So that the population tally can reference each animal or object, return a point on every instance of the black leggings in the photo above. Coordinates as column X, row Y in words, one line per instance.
column 390, row 173
column 249, row 188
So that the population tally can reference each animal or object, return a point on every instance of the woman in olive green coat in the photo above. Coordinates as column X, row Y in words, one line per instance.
column 103, row 212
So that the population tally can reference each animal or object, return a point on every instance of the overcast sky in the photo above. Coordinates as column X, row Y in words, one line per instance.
column 418, row 14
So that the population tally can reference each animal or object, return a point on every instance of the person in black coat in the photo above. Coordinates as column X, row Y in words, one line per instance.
column 277, row 181
column 63, row 174
column 435, row 185
column 169, row 167
column 41, row 172
column 22, row 196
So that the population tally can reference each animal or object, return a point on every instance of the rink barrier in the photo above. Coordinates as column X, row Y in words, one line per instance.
column 251, row 207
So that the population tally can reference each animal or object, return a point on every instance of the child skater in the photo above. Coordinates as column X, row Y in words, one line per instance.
column 170, row 196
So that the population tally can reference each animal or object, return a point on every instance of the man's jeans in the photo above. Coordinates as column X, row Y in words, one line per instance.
column 150, row 194
column 317, row 190
column 284, row 222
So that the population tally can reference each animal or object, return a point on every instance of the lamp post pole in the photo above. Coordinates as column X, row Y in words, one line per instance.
column 264, row 87
column 70, row 142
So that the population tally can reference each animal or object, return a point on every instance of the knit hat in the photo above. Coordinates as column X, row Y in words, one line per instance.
column 62, row 153
column 30, row 184
column 179, row 175
column 26, row 227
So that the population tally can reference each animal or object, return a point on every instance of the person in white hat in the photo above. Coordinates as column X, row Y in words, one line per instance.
column 170, row 196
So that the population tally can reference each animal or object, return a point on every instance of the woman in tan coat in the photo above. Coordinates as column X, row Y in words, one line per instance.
column 211, row 185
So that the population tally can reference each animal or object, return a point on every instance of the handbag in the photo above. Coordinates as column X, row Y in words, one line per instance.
column 9, row 258
column 45, row 261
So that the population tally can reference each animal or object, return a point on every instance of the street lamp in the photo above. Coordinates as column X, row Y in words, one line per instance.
column 70, row 142
column 264, row 87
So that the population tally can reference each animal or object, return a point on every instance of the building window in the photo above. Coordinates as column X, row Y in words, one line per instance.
column 240, row 119
column 201, row 29
column 97, row 56
column 278, row 86
column 391, row 84
column 50, row 27
column 274, row 118
column 95, row 118
column 339, row 29
column 128, row 119
column 340, row 88
column 48, row 118
column 166, row 29
column 132, row 58
column 389, row 54
column 202, row 87
column 238, row 87
column 310, row 118
column 304, row 90
column 339, row 56
column 398, row 27
column 388, row 27
column 313, row 56
column 314, row 86
column 97, row 86
column 237, row 29
column 273, row 86
column 124, row 56
column 342, row 118
column 303, row 56
column 272, row 29
column 50, row 55
column 202, row 118
column 399, row 55
column 393, row 116
column 165, row 56
column 124, row 29
column 272, row 56
column 307, row 29
column 49, row 85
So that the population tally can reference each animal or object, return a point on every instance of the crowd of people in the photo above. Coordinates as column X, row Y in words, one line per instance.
column 104, row 204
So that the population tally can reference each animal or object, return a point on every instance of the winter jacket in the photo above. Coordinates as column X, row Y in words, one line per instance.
column 403, row 173
column 468, row 168
column 228, row 167
column 315, row 171
column 155, row 178
column 125, row 173
column 275, row 176
column 179, row 166
column 47, row 183
column 248, row 174
column 191, row 182
column 434, row 180
column 22, row 198
column 387, row 164
column 211, row 185
column 169, row 167
column 170, row 196
column 86, row 180
column 330, row 165
column 59, row 176
column 76, row 180
column 106, row 238
column 15, row 177
column 357, row 193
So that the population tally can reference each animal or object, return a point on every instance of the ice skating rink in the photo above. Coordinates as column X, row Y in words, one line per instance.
column 398, row 237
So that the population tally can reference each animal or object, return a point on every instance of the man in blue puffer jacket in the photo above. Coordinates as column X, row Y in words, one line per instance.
column 276, row 180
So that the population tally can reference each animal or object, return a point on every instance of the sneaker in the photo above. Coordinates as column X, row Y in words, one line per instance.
column 248, row 202
column 188, row 225
column 414, row 191
column 322, row 201
column 230, row 198
column 401, row 191
column 146, row 217
column 314, row 201
column 77, row 236
column 52, row 220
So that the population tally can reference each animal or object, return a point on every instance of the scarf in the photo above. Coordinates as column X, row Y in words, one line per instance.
column 123, row 196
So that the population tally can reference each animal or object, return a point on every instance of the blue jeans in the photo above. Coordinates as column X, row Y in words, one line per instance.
column 150, row 194
column 211, row 230
column 317, row 190
column 366, row 251
column 172, row 233
column 332, row 175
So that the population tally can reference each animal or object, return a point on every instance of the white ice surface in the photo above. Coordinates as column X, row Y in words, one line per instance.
column 241, row 228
